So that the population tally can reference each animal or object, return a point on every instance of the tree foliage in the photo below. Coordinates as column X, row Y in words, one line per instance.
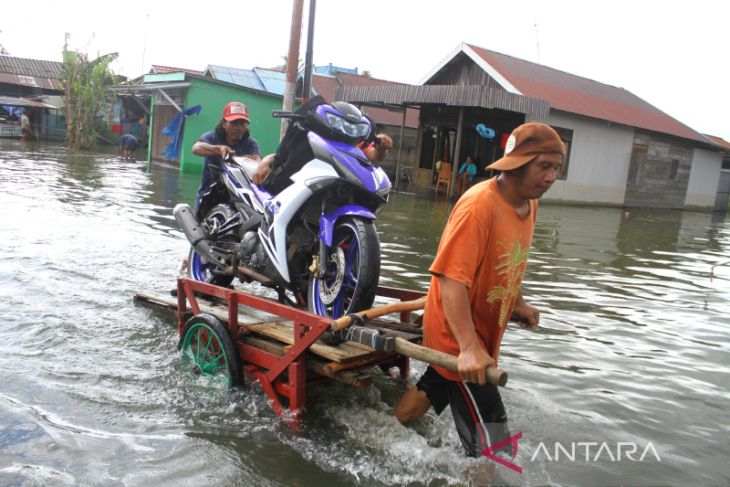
column 86, row 94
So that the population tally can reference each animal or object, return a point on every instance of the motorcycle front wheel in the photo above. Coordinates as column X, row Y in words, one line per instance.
column 351, row 271
column 198, row 268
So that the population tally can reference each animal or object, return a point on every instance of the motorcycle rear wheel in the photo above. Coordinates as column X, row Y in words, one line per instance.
column 353, row 270
column 200, row 270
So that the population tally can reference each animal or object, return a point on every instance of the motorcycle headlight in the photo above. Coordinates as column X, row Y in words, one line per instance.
column 354, row 130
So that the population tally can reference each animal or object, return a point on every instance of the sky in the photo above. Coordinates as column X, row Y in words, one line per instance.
column 672, row 54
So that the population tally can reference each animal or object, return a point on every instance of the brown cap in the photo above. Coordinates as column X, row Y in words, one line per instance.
column 526, row 142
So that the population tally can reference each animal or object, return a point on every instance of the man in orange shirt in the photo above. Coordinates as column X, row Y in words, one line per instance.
column 475, row 287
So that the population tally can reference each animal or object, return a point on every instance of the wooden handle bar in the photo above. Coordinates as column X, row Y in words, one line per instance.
column 395, row 307
column 404, row 347
column 434, row 357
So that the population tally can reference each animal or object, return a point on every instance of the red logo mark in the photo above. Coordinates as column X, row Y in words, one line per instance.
column 489, row 452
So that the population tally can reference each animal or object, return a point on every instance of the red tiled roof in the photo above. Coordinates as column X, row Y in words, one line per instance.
column 719, row 141
column 157, row 69
column 571, row 93
column 327, row 85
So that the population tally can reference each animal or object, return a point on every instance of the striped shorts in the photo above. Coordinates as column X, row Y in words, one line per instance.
column 478, row 411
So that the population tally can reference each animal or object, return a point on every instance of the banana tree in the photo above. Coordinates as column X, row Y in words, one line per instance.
column 86, row 93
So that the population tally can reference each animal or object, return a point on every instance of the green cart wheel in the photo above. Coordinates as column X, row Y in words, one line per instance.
column 208, row 350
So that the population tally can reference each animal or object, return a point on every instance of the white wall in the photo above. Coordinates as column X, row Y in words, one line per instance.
column 599, row 161
column 703, row 179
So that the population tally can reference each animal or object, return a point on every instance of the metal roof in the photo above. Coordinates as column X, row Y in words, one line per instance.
column 237, row 76
column 148, row 87
column 452, row 95
column 343, row 86
column 273, row 81
column 158, row 69
column 30, row 72
column 574, row 94
column 24, row 102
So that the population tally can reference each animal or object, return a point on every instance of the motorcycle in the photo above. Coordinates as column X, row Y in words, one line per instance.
column 308, row 231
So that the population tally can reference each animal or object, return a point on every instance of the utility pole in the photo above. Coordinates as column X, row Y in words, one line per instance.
column 308, row 66
column 292, row 60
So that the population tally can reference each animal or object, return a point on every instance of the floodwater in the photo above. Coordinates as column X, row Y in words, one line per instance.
column 632, row 355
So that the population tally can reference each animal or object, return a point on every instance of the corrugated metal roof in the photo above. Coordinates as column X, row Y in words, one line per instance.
column 23, row 102
column 30, row 72
column 157, row 69
column 21, row 80
column 574, row 94
column 327, row 86
column 450, row 95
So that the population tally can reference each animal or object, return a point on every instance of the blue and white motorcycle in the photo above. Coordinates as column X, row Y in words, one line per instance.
column 308, row 231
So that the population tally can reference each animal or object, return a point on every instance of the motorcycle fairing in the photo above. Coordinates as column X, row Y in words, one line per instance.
column 282, row 208
column 327, row 220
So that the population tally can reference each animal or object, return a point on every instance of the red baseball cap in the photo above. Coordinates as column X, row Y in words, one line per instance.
column 526, row 142
column 235, row 111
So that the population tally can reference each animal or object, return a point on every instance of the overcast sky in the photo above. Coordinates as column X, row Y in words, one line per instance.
column 672, row 54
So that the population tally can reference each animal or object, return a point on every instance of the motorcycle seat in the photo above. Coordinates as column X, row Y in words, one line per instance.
column 248, row 165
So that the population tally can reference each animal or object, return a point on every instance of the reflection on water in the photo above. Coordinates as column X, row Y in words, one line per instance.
column 632, row 347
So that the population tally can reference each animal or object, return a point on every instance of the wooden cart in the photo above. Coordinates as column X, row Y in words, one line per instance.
column 227, row 334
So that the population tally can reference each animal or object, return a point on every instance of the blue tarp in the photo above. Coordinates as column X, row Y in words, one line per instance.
column 174, row 130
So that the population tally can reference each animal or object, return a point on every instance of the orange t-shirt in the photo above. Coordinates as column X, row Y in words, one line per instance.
column 484, row 246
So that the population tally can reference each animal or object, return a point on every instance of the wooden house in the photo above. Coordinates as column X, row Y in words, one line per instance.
column 622, row 151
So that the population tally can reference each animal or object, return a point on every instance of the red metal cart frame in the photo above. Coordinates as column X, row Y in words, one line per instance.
column 268, row 368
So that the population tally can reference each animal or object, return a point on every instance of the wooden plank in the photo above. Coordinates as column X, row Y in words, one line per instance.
column 273, row 326
column 353, row 378
column 342, row 353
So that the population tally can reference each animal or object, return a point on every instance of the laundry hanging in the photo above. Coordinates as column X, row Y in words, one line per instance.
column 174, row 130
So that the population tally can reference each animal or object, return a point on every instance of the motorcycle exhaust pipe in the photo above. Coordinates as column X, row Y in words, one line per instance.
column 198, row 237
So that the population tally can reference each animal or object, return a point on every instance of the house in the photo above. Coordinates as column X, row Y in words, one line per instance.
column 622, row 151
column 32, row 85
column 723, row 188
column 184, row 105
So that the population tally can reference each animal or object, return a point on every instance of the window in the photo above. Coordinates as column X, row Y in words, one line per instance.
column 566, row 135
column 673, row 168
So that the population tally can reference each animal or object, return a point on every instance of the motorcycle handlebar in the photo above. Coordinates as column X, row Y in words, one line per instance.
column 283, row 114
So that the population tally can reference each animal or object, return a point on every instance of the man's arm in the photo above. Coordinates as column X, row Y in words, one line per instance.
column 378, row 151
column 526, row 315
column 263, row 169
column 472, row 360
column 204, row 149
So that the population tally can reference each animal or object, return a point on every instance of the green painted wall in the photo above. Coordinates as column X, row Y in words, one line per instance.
column 212, row 97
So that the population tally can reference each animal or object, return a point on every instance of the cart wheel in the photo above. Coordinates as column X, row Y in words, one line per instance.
column 208, row 350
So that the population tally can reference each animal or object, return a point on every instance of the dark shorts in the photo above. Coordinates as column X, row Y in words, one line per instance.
column 478, row 411
column 129, row 142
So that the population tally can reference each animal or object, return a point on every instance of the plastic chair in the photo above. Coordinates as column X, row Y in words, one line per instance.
column 444, row 177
